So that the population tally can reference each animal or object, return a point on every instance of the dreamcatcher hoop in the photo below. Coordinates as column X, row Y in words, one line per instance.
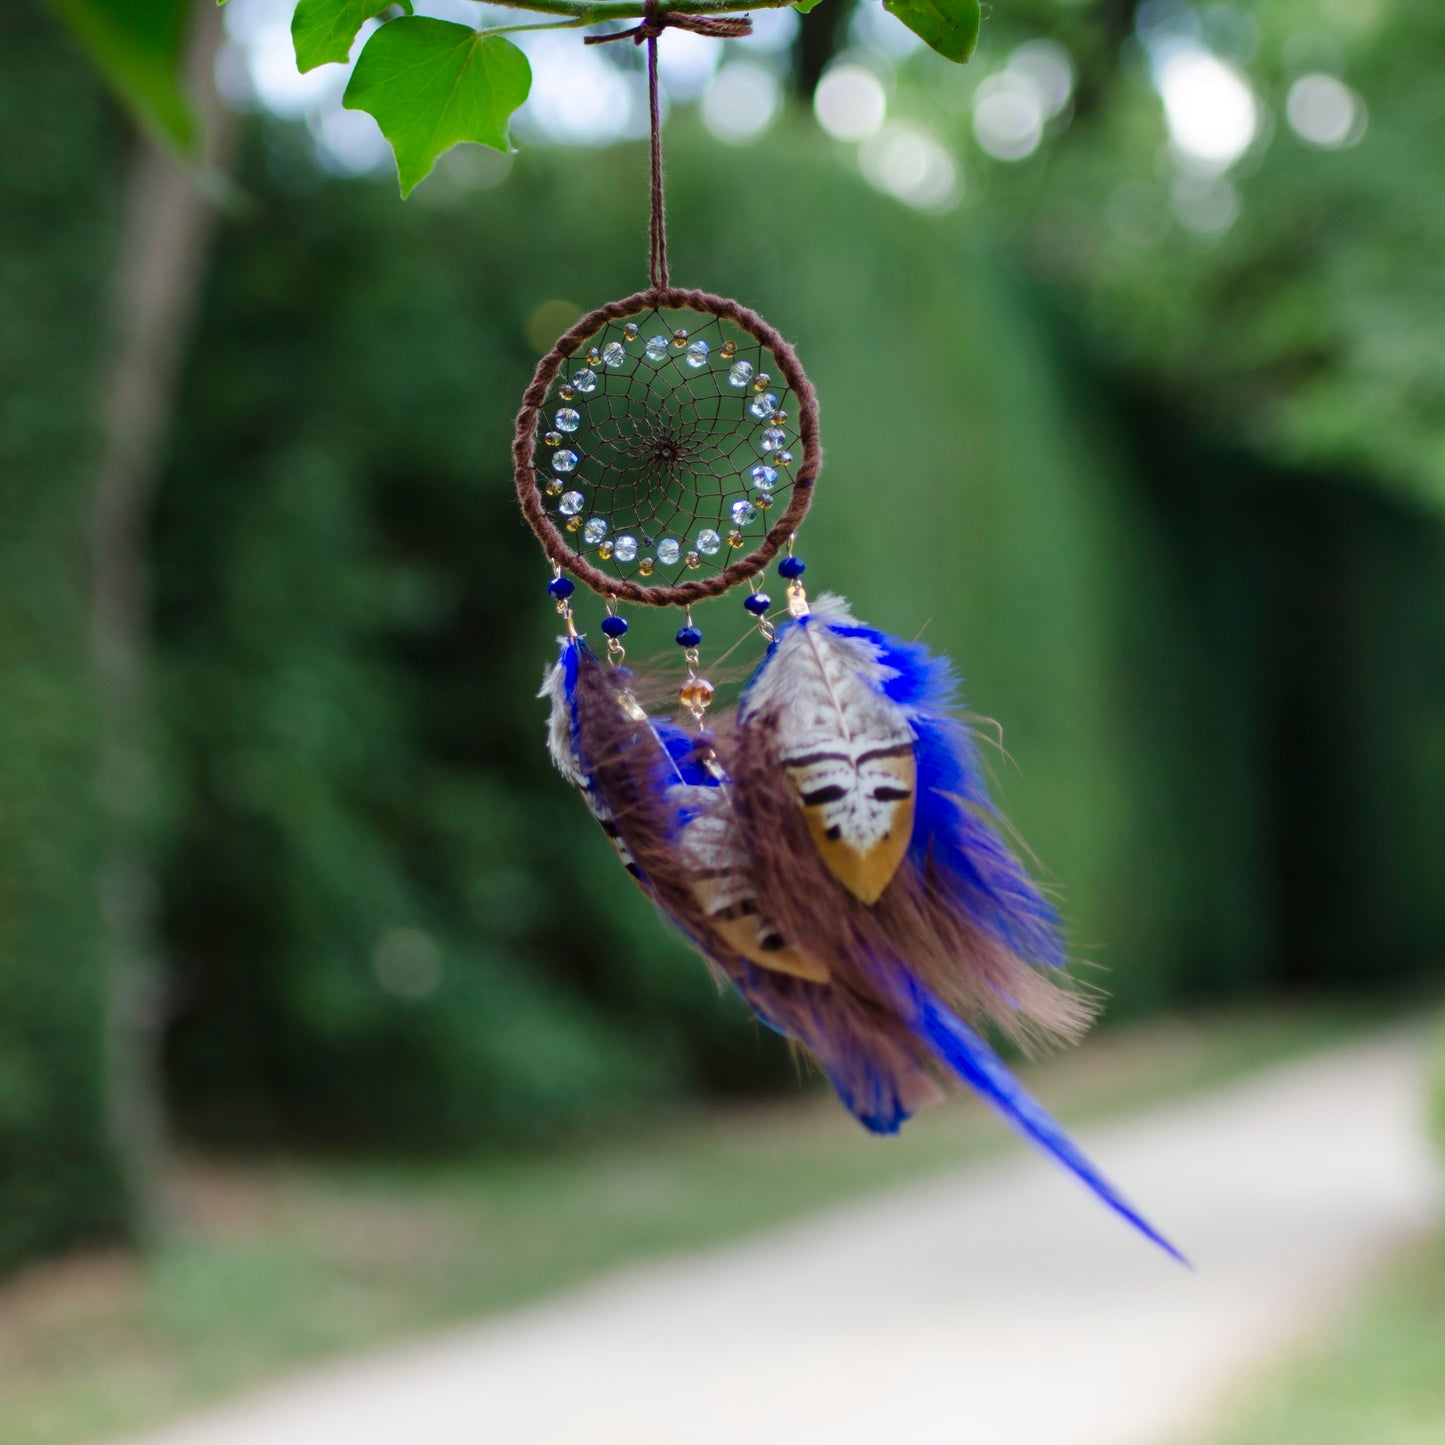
column 560, row 546
column 534, row 483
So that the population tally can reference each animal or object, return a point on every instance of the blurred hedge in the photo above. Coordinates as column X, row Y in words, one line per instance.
column 56, row 218
column 389, row 921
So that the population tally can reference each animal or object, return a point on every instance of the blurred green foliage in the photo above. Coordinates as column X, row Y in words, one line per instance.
column 353, row 626
column 56, row 235
column 1298, row 329
column 1172, row 506
column 136, row 46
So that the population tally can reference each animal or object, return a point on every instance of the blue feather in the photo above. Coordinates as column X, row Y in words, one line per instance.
column 809, row 1015
column 570, row 659
column 980, row 1067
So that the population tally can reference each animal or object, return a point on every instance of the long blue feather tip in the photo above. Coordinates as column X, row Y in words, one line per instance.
column 970, row 1057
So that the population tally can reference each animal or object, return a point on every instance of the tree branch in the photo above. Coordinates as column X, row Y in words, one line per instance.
column 600, row 11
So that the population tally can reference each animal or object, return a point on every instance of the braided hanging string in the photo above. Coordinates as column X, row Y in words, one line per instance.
column 664, row 433
column 655, row 21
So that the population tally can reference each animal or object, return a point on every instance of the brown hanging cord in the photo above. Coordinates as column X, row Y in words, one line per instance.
column 655, row 21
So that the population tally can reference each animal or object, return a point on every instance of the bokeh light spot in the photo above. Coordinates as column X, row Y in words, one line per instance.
column 741, row 103
column 1325, row 112
column 850, row 103
column 1212, row 111
column 1009, row 111
column 911, row 165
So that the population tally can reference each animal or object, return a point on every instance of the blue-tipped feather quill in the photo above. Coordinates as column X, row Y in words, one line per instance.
column 971, row 1058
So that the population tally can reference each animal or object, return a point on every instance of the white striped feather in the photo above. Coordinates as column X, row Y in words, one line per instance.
column 562, row 746
column 846, row 747
column 719, row 866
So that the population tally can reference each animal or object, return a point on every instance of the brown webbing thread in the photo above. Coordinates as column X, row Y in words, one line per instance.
column 655, row 21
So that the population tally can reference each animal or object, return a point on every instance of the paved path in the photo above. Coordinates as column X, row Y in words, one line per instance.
column 1000, row 1306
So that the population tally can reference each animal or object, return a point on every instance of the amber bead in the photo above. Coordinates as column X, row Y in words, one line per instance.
column 696, row 692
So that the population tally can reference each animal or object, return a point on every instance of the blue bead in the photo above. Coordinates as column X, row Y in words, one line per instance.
column 791, row 568
column 614, row 626
column 688, row 636
column 757, row 603
column 561, row 588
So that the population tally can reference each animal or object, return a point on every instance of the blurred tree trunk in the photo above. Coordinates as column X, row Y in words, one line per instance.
column 167, row 226
column 820, row 37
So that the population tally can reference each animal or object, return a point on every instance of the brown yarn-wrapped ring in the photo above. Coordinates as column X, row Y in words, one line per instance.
column 555, row 542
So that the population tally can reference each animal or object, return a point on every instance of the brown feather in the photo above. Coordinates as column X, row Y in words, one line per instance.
column 701, row 877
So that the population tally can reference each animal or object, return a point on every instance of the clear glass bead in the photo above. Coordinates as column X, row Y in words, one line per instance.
column 570, row 504
column 613, row 355
column 709, row 543
column 630, row 331
column 763, row 406
column 625, row 548
column 585, row 382
column 772, row 439
column 764, row 477
column 697, row 354
column 742, row 511
column 740, row 373
column 668, row 551
column 567, row 419
column 656, row 347
column 563, row 461
column 594, row 531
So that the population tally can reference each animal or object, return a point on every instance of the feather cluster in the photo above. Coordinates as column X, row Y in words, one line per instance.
column 831, row 851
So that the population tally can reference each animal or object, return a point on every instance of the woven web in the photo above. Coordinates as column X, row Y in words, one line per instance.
column 661, row 467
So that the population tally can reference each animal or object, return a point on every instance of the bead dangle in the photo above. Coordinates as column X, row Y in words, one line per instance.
column 697, row 692
column 614, row 629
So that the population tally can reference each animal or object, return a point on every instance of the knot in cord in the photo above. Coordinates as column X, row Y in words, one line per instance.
column 656, row 20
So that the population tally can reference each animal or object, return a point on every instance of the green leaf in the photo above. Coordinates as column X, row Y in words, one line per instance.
column 949, row 26
column 431, row 84
column 803, row 6
column 137, row 47
column 323, row 31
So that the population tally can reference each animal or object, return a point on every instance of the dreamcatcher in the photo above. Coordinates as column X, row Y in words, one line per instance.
column 827, row 844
